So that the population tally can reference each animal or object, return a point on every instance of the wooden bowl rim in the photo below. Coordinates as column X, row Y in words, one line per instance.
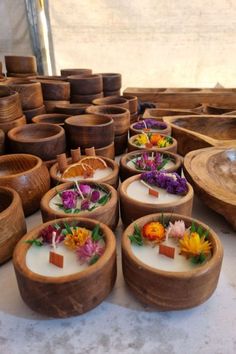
column 26, row 172
column 32, row 126
column 117, row 110
column 84, row 76
column 23, row 83
column 111, row 75
column 14, row 200
column 51, row 82
column 78, row 120
column 117, row 100
column 47, row 116
column 10, row 94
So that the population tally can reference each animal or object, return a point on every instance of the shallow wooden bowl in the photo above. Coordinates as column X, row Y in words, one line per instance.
column 120, row 142
column 164, row 131
column 53, row 118
column 43, row 139
column 30, row 93
column 20, row 64
column 133, row 147
column 211, row 171
column 107, row 214
column 88, row 130
column 69, row 295
column 196, row 132
column 111, row 93
column 120, row 115
column 28, row 176
column 10, row 105
column 12, row 124
column 83, row 99
column 111, row 81
column 112, row 179
column 31, row 113
column 159, row 113
column 2, row 141
column 132, row 209
column 165, row 290
column 133, row 103
column 112, row 101
column 55, row 90
column 72, row 109
column 85, row 84
column 12, row 222
column 128, row 171
column 68, row 72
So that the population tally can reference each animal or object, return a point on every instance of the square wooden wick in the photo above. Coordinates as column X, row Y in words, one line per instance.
column 153, row 193
column 167, row 251
column 56, row 259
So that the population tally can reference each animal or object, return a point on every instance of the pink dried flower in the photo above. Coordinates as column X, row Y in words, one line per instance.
column 69, row 199
column 176, row 230
column 46, row 234
column 85, row 189
column 95, row 196
column 89, row 250
column 85, row 204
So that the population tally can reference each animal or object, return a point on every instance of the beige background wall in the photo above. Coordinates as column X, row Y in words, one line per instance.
column 151, row 42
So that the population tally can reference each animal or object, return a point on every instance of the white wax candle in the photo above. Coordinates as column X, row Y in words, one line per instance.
column 98, row 174
column 169, row 164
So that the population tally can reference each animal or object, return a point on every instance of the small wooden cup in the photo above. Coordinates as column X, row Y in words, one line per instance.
column 120, row 142
column 52, row 118
column 20, row 64
column 12, row 222
column 112, row 101
column 134, row 147
column 30, row 93
column 166, row 290
column 164, row 131
column 69, row 295
column 107, row 214
column 56, row 90
column 111, row 81
column 85, row 84
column 13, row 124
column 71, row 109
column 132, row 209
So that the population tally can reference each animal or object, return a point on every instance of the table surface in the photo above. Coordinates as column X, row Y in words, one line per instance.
column 121, row 324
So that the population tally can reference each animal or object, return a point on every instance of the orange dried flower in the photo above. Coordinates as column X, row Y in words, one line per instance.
column 154, row 139
column 154, row 231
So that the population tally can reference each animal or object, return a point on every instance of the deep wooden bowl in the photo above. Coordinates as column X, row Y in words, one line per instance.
column 31, row 113
column 28, row 176
column 20, row 64
column 107, row 214
column 111, row 81
column 132, row 209
column 127, row 171
column 120, row 142
column 133, row 103
column 83, row 99
column 10, row 105
column 43, row 139
column 112, row 101
column 40, row 293
column 112, row 179
column 121, row 116
column 2, row 141
column 53, row 118
column 196, row 132
column 50, row 106
column 211, row 171
column 30, row 93
column 69, row 72
column 133, row 147
column 88, row 130
column 159, row 113
column 55, row 90
column 72, row 109
column 12, row 124
column 164, row 131
column 12, row 222
column 85, row 84
column 111, row 93
column 167, row 290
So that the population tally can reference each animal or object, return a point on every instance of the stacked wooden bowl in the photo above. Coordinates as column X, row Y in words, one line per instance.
column 111, row 84
column 71, row 109
column 133, row 107
column 20, row 66
column 69, row 72
column 52, row 118
column 85, row 88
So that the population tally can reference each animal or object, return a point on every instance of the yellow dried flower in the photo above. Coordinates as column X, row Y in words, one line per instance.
column 192, row 245
column 78, row 237
column 141, row 139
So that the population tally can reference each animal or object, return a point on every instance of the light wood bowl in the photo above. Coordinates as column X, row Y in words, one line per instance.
column 52, row 118
column 28, row 176
column 112, row 179
column 120, row 142
column 211, row 171
column 78, row 292
column 85, row 84
column 164, row 131
column 84, row 99
column 20, row 64
column 132, row 209
column 111, row 81
column 2, row 141
column 112, row 101
column 31, row 113
column 12, row 222
column 50, row 106
column 18, row 122
column 165, row 290
column 196, row 132
column 30, row 93
column 10, row 105
column 107, row 214
column 72, row 109
column 159, row 113
column 133, row 147
column 127, row 171
column 69, row 72
column 43, row 140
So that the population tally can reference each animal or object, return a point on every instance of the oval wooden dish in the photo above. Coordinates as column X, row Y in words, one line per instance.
column 72, row 294
column 212, row 174
column 133, row 147
column 168, row 290
column 43, row 139
column 52, row 118
column 12, row 222
column 28, row 176
column 196, row 132
column 135, row 207
column 107, row 213
column 159, row 127
column 128, row 169
column 159, row 113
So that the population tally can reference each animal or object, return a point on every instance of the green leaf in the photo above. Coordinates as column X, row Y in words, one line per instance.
column 57, row 227
column 61, row 206
column 103, row 200
column 68, row 211
column 92, row 208
column 94, row 259
column 35, row 242
column 164, row 162
column 68, row 229
column 76, row 211
column 96, row 234
column 198, row 259
column 200, row 231
column 193, row 227
column 136, row 238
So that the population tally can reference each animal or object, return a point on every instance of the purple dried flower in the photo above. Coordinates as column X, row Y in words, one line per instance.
column 85, row 204
column 69, row 199
column 150, row 124
column 95, row 196
column 172, row 182
column 46, row 234
column 89, row 249
column 85, row 189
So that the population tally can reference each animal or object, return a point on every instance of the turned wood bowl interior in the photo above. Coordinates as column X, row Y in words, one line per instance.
column 35, row 132
column 53, row 118
column 17, row 164
column 6, row 199
column 87, row 120
column 112, row 100
column 106, row 109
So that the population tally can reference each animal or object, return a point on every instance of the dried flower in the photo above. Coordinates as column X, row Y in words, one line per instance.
column 85, row 189
column 150, row 124
column 89, row 250
column 78, row 237
column 46, row 234
column 69, row 199
column 176, row 230
column 95, row 196
column 172, row 182
column 192, row 245
column 85, row 204
column 141, row 139
column 154, row 231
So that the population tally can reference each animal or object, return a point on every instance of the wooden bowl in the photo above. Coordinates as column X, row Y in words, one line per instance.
column 42, row 139
column 159, row 113
column 12, row 222
column 83, row 99
column 30, row 93
column 111, row 81
column 72, row 109
column 210, row 109
column 127, row 170
column 2, row 141
column 106, row 151
column 133, row 103
column 12, row 124
column 165, row 131
column 55, row 90
column 20, row 64
column 53, row 118
column 88, row 130
column 107, row 214
column 112, row 179
column 49, row 77
column 134, row 117
column 40, row 292
column 21, row 76
column 166, row 290
column 28, row 176
column 211, row 172
column 31, row 113
column 133, row 147
column 10, row 105
column 85, row 84
column 69, row 72
column 121, row 116
column 196, row 132
column 112, row 101
column 50, row 106
column 132, row 209
column 111, row 93
column 120, row 142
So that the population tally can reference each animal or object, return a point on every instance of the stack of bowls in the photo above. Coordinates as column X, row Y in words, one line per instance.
column 72, row 109
column 69, row 72
column 85, row 88
column 111, row 84
column 21, row 66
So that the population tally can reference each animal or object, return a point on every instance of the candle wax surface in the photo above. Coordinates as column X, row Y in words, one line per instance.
column 130, row 164
column 98, row 174
column 138, row 191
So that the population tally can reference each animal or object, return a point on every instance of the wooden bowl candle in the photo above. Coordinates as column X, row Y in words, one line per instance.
column 52, row 118
column 30, row 93
column 212, row 174
column 12, row 222
column 170, row 261
column 112, row 101
column 152, row 141
column 136, row 162
column 153, row 192
column 87, row 200
column 20, row 64
column 89, row 130
column 150, row 125
column 71, row 109
column 196, row 132
column 43, row 139
column 28, row 176
column 59, row 264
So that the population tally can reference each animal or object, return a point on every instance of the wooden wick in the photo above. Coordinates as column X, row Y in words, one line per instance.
column 75, row 154
column 62, row 162
column 167, row 251
column 151, row 191
column 79, row 190
column 90, row 152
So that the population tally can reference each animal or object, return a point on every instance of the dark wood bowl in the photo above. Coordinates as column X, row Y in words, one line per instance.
column 112, row 101
column 21, row 76
column 120, row 142
column 72, row 109
column 111, row 93
column 30, row 93
column 10, row 105
column 11, row 215
column 50, row 106
column 69, row 72
column 107, row 214
column 20, row 64
column 49, row 77
column 31, row 113
column 2, row 141
column 88, row 130
column 166, row 290
column 43, row 140
column 85, row 84
column 56, row 90
column 37, row 291
column 12, row 124
column 28, row 176
column 111, row 81
column 134, row 147
column 133, row 103
column 52, row 118
column 83, row 99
